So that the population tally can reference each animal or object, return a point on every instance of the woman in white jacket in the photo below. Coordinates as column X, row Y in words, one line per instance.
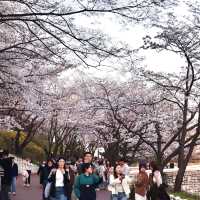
column 119, row 184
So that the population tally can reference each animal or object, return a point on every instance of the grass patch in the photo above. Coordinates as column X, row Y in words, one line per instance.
column 187, row 196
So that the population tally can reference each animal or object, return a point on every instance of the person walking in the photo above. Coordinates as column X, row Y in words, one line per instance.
column 71, row 177
column 14, row 174
column 108, row 171
column 119, row 184
column 6, row 180
column 142, row 182
column 60, row 181
column 78, row 165
column 86, row 183
column 157, row 190
column 1, row 173
column 28, row 167
column 40, row 171
column 102, row 174
column 44, row 173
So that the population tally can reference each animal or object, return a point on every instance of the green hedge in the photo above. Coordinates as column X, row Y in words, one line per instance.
column 187, row 196
column 33, row 150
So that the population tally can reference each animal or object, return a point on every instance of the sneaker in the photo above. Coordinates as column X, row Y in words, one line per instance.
column 28, row 185
column 14, row 193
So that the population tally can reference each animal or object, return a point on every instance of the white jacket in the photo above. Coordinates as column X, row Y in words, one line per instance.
column 125, row 185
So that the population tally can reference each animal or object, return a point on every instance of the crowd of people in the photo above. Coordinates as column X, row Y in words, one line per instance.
column 64, row 180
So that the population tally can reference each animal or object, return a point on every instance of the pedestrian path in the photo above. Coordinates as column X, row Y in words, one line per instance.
column 25, row 193
column 35, row 191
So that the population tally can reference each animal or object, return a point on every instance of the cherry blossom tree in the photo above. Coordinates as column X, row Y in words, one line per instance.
column 181, row 90
column 108, row 106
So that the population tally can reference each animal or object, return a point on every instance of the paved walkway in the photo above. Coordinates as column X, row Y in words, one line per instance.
column 35, row 191
column 25, row 193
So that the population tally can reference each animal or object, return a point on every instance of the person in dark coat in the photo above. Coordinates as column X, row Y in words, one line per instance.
column 46, row 170
column 40, row 171
column 14, row 173
column 6, row 180
column 157, row 188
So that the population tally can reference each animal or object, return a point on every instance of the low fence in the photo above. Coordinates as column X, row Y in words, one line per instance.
column 22, row 165
column 191, row 180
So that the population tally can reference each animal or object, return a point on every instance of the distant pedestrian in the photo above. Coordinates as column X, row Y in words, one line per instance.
column 124, row 165
column 28, row 167
column 14, row 172
column 95, row 162
column 108, row 167
column 1, row 172
column 102, row 174
column 78, row 165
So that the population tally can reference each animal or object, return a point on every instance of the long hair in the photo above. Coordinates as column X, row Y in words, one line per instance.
column 154, row 166
column 142, row 165
column 60, row 158
column 108, row 164
column 115, row 173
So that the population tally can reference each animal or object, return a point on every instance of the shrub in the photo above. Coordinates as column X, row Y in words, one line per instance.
column 33, row 150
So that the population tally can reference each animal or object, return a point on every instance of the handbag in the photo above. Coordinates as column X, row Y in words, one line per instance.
column 47, row 189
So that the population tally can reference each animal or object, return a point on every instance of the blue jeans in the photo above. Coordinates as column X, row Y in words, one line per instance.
column 60, row 195
column 119, row 196
column 44, row 185
column 13, row 184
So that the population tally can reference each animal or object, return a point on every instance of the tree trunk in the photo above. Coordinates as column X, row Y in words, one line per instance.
column 182, row 164
column 55, row 151
column 61, row 150
column 179, row 178
column 18, row 149
column 47, row 153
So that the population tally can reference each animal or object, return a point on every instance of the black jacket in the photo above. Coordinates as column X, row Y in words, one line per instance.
column 6, row 164
column 41, row 173
column 45, row 173
column 14, row 170
column 52, row 179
